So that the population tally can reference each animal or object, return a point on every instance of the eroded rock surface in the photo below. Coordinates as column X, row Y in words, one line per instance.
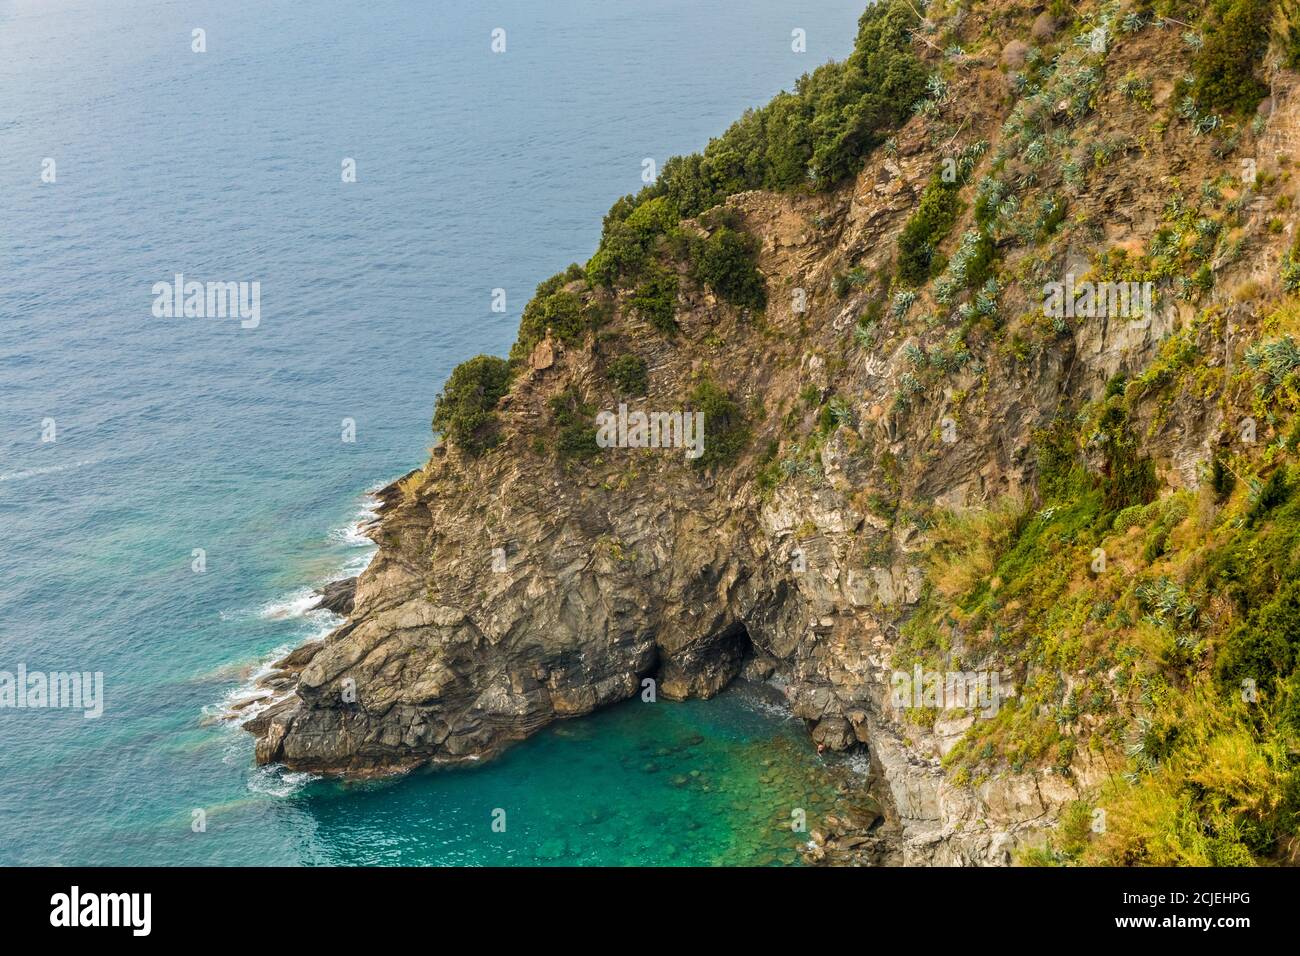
column 520, row 587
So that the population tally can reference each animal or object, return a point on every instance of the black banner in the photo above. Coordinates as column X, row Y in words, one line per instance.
column 335, row 905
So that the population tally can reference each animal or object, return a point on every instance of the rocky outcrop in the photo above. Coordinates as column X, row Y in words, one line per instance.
column 520, row 587
column 337, row 597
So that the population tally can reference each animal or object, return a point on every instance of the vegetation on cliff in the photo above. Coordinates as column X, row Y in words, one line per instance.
column 1141, row 586
column 1151, row 620
column 811, row 138
column 465, row 407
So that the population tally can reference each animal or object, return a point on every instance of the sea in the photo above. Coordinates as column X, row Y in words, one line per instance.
column 173, row 487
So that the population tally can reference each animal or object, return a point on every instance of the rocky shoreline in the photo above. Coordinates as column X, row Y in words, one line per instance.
column 521, row 586
column 509, row 591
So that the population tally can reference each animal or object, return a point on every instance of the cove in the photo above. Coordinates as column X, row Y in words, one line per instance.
column 692, row 783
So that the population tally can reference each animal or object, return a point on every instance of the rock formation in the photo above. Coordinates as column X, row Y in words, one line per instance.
column 523, row 585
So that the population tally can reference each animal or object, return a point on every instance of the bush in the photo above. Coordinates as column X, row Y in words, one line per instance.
column 554, row 308
column 934, row 218
column 725, row 430
column 1222, row 480
column 1237, row 38
column 1127, row 478
column 1291, row 267
column 1061, row 474
column 1265, row 645
column 464, row 411
column 655, row 300
column 1286, row 25
column 577, row 425
column 1275, row 360
column 816, row 135
column 1268, row 496
column 630, row 232
column 725, row 262
column 628, row 372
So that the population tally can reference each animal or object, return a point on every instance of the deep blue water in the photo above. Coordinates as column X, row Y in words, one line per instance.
column 475, row 171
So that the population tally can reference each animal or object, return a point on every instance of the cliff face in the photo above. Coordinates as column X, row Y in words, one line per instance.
column 526, row 584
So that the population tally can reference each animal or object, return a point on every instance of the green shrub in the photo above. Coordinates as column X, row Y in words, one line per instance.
column 655, row 300
column 1266, row 497
column 576, row 421
column 1286, row 27
column 816, row 135
column 1130, row 517
column 725, row 262
column 631, row 229
column 1222, row 480
column 554, row 308
column 1060, row 470
column 933, row 220
column 1170, row 513
column 464, row 411
column 1128, row 478
column 1237, row 37
column 1276, row 360
column 874, row 92
column 628, row 372
column 1291, row 270
column 1249, row 568
column 726, row 432
column 1265, row 645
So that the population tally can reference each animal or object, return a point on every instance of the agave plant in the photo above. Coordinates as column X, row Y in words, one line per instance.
column 902, row 302
column 1168, row 602
column 909, row 385
column 936, row 88
column 1206, row 124
column 841, row 413
column 1131, row 23
column 1138, row 749
column 794, row 465
column 1276, row 360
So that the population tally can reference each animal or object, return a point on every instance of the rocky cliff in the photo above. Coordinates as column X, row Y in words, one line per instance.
column 900, row 455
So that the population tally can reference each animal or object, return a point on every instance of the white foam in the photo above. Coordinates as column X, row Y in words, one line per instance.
column 247, row 700
column 294, row 604
column 359, row 563
column 354, row 534
column 754, row 698
column 277, row 781
column 224, row 710
column 859, row 762
column 48, row 470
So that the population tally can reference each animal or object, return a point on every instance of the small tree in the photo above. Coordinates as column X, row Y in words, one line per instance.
column 726, row 264
column 464, row 411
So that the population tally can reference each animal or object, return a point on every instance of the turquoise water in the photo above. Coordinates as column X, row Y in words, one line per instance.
column 475, row 172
